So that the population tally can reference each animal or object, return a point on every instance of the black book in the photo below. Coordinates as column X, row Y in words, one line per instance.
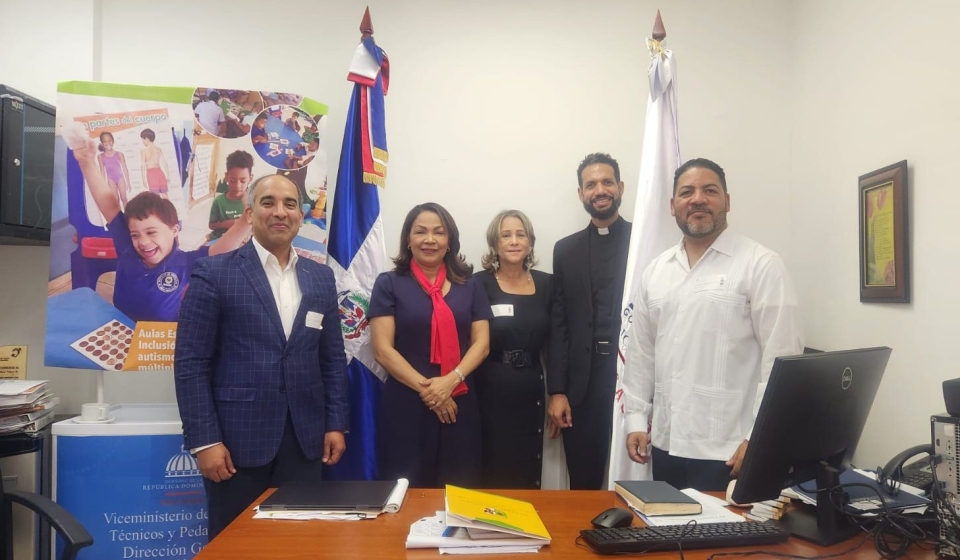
column 654, row 497
column 367, row 496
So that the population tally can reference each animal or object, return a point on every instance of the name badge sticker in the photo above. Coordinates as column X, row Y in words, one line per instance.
column 502, row 310
column 314, row 320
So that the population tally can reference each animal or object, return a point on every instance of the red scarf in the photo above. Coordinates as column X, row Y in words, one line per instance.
column 444, row 342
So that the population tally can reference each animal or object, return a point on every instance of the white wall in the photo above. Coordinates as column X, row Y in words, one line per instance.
column 46, row 43
column 875, row 82
column 38, row 50
column 493, row 104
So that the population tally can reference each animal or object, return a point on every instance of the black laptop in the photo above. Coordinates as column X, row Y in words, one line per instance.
column 331, row 495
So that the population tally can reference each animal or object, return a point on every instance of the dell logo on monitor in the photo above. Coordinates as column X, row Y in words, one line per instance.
column 846, row 378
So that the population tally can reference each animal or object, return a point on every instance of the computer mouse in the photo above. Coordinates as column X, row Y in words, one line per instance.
column 613, row 517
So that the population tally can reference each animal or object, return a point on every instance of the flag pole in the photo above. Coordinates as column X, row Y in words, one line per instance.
column 653, row 231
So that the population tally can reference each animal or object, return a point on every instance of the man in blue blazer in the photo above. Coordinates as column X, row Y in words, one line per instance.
column 260, row 368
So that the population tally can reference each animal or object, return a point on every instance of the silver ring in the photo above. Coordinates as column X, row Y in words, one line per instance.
column 444, row 412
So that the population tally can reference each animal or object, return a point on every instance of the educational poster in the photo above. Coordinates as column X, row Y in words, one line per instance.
column 146, row 181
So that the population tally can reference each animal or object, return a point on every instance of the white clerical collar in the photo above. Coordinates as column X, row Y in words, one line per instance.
column 612, row 228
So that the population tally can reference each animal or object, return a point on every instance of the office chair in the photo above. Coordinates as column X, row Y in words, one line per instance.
column 70, row 530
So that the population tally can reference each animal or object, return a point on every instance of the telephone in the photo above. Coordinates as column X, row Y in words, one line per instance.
column 917, row 473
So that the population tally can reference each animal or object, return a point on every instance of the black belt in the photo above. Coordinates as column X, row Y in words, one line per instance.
column 516, row 358
column 603, row 347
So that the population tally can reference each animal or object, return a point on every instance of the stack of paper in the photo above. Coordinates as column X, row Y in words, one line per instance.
column 769, row 509
column 25, row 406
column 714, row 511
column 433, row 532
column 480, row 523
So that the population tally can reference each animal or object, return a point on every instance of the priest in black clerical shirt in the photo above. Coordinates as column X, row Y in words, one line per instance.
column 589, row 269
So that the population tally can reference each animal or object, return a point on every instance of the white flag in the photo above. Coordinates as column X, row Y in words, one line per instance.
column 654, row 230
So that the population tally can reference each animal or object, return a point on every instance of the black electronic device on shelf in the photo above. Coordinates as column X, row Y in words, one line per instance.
column 27, row 127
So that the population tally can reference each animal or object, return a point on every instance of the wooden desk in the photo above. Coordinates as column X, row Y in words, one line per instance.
column 564, row 512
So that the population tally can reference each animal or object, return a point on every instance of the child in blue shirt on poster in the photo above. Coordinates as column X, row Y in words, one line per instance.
column 152, row 270
column 258, row 135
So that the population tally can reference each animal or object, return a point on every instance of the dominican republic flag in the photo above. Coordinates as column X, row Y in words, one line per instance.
column 654, row 230
column 356, row 253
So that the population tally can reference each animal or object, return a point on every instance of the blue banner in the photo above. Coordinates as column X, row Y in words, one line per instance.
column 139, row 496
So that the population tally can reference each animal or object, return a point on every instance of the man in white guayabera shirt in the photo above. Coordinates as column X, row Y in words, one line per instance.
column 713, row 313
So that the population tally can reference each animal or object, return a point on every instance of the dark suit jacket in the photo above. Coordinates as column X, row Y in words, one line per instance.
column 236, row 373
column 571, row 329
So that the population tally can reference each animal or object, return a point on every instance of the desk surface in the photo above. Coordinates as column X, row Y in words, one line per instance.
column 564, row 512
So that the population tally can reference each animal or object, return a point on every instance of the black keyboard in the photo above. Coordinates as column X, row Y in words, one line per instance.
column 702, row 535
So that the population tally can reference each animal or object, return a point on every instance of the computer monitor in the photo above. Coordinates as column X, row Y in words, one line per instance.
column 810, row 420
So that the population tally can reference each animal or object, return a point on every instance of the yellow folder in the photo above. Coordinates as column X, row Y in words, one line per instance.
column 482, row 511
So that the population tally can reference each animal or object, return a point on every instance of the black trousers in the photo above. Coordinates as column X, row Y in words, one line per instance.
column 699, row 474
column 587, row 443
column 227, row 499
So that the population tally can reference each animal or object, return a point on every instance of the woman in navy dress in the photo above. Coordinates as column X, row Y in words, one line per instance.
column 510, row 382
column 430, row 331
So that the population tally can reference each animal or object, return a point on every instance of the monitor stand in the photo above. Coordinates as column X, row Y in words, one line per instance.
column 826, row 524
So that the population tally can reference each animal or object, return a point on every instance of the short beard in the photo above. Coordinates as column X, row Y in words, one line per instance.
column 603, row 214
column 706, row 230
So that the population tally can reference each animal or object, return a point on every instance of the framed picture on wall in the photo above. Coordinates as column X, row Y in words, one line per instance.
column 884, row 251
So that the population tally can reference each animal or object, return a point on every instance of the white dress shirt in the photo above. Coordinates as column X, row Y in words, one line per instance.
column 283, row 284
column 286, row 293
column 703, row 344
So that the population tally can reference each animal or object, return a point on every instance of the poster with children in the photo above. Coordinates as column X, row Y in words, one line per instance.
column 146, row 181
